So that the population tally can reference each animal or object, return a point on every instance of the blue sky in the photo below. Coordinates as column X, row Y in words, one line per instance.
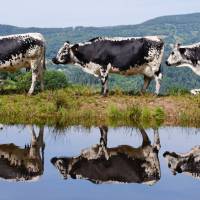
column 63, row 13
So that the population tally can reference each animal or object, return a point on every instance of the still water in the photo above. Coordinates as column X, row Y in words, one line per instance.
column 100, row 162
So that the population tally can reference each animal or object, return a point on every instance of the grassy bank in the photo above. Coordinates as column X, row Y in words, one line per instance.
column 83, row 105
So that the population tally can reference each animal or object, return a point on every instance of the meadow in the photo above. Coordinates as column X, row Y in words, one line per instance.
column 75, row 104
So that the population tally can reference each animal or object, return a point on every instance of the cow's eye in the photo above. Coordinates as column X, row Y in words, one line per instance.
column 172, row 53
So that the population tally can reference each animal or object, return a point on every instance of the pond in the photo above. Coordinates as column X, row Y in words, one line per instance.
column 99, row 162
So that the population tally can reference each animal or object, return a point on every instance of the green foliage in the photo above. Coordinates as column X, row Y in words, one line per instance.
column 52, row 80
column 177, row 91
column 159, row 115
column 55, row 80
column 114, row 112
column 136, row 115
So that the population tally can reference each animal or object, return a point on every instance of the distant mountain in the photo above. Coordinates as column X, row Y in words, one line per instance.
column 176, row 28
column 175, row 19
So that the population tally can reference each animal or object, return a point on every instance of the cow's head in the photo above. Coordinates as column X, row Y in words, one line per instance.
column 63, row 165
column 64, row 54
column 177, row 56
column 175, row 162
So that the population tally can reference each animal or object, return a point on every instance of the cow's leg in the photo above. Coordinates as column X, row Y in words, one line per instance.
column 41, row 143
column 157, row 85
column 104, row 83
column 104, row 80
column 42, row 68
column 34, row 69
column 158, row 78
column 145, row 137
column 34, row 79
column 103, row 139
column 33, row 134
column 32, row 151
column 147, row 81
column 41, row 77
column 156, row 143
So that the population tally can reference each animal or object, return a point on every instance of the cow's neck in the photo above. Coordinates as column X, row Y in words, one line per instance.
column 195, row 69
column 74, row 58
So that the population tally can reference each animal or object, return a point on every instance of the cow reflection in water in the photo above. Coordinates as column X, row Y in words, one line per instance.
column 188, row 163
column 18, row 164
column 121, row 164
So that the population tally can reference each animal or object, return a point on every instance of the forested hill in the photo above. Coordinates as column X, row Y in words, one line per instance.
column 177, row 28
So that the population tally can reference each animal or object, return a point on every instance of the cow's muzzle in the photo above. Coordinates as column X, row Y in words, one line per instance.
column 53, row 160
column 178, row 169
column 55, row 61
column 167, row 63
column 166, row 153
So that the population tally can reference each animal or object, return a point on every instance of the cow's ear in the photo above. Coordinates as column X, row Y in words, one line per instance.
column 75, row 47
column 178, row 45
column 67, row 43
column 182, row 50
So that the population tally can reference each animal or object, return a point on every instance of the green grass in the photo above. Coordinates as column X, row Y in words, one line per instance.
column 82, row 105
column 136, row 115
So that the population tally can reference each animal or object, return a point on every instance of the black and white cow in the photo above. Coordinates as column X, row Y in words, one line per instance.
column 186, row 56
column 23, row 164
column 187, row 163
column 121, row 164
column 126, row 56
column 24, row 50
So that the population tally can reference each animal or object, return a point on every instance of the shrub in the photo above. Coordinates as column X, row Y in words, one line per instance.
column 52, row 80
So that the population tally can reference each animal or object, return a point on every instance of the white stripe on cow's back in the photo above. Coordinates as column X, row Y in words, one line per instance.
column 38, row 36
column 116, row 39
column 154, row 38
column 191, row 45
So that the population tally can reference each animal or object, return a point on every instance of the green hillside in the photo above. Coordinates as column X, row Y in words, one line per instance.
column 181, row 28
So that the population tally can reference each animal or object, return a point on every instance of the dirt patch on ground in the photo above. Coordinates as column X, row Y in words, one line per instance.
column 173, row 106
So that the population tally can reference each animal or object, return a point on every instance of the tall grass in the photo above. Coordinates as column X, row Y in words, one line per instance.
column 136, row 115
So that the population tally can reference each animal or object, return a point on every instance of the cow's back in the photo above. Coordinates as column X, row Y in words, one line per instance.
column 121, row 53
column 17, row 45
column 118, row 168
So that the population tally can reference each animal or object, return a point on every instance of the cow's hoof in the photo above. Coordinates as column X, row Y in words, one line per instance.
column 1, row 126
column 142, row 93
column 195, row 91
column 105, row 95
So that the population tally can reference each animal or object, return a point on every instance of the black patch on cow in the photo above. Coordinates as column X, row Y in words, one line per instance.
column 182, row 50
column 173, row 154
column 120, row 54
column 75, row 47
column 119, row 168
column 192, row 54
column 14, row 46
